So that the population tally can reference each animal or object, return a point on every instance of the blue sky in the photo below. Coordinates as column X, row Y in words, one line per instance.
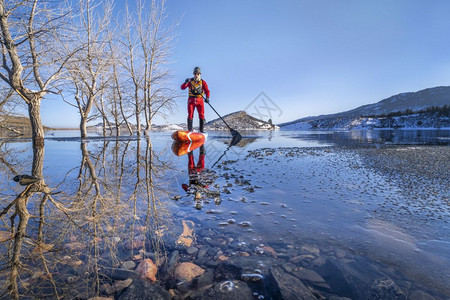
column 308, row 57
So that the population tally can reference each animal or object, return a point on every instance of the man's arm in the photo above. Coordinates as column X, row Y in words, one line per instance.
column 186, row 84
column 205, row 88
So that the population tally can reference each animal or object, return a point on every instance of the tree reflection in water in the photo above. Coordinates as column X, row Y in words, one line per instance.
column 62, row 241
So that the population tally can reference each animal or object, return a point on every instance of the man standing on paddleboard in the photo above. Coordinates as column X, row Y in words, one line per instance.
column 197, row 88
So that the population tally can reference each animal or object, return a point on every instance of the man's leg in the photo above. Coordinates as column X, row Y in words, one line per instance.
column 202, row 125
column 201, row 114
column 191, row 107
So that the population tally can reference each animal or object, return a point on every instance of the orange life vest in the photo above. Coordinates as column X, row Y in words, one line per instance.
column 196, row 89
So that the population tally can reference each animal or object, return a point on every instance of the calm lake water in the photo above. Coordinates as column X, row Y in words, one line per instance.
column 360, row 214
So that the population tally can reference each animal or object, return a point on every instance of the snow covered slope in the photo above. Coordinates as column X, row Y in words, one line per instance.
column 413, row 106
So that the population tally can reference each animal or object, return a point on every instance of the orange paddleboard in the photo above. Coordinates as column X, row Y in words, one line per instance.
column 188, row 136
column 181, row 148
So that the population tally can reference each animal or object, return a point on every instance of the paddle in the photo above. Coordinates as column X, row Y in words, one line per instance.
column 234, row 133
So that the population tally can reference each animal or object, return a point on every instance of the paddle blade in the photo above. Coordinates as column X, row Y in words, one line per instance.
column 237, row 137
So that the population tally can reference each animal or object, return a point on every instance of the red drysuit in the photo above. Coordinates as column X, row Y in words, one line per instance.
column 195, row 100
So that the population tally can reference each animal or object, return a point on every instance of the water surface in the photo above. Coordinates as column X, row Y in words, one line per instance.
column 361, row 205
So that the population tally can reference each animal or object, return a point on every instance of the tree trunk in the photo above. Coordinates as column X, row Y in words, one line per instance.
column 23, row 214
column 130, row 131
column 104, row 127
column 34, row 111
column 147, row 122
column 38, row 162
column 148, row 117
column 19, row 237
column 83, row 131
column 138, row 123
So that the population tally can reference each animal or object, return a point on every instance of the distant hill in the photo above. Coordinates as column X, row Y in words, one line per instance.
column 416, row 109
column 240, row 120
column 169, row 127
column 15, row 125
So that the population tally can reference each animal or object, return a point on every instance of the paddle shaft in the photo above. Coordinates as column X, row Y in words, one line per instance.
column 236, row 135
column 219, row 116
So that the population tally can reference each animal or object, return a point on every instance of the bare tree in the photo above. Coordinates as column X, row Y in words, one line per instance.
column 155, row 42
column 89, row 69
column 116, row 97
column 30, row 65
column 147, row 45
column 132, row 65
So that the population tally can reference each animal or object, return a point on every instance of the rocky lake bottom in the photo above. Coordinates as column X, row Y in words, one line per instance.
column 287, row 215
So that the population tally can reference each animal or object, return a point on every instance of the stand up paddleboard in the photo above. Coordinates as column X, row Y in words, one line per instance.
column 188, row 136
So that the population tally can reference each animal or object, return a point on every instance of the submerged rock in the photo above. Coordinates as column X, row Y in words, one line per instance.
column 386, row 289
column 206, row 279
column 311, row 249
column 122, row 284
column 226, row 191
column 143, row 289
column 420, row 295
column 245, row 224
column 119, row 274
column 270, row 250
column 173, row 260
column 75, row 246
column 299, row 258
column 134, row 244
column 227, row 286
column 291, row 288
column 230, row 289
column 192, row 250
column 308, row 275
column 147, row 269
column 202, row 252
column 106, row 289
column 186, row 238
column 129, row 265
column 187, row 271
column 349, row 280
column 252, row 277
column 216, row 242
column 117, row 287
column 222, row 257
column 212, row 194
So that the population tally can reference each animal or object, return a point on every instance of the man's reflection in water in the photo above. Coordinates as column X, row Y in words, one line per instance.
column 200, row 179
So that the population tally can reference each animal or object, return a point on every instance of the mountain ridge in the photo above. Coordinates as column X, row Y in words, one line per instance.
column 407, row 103
column 240, row 120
